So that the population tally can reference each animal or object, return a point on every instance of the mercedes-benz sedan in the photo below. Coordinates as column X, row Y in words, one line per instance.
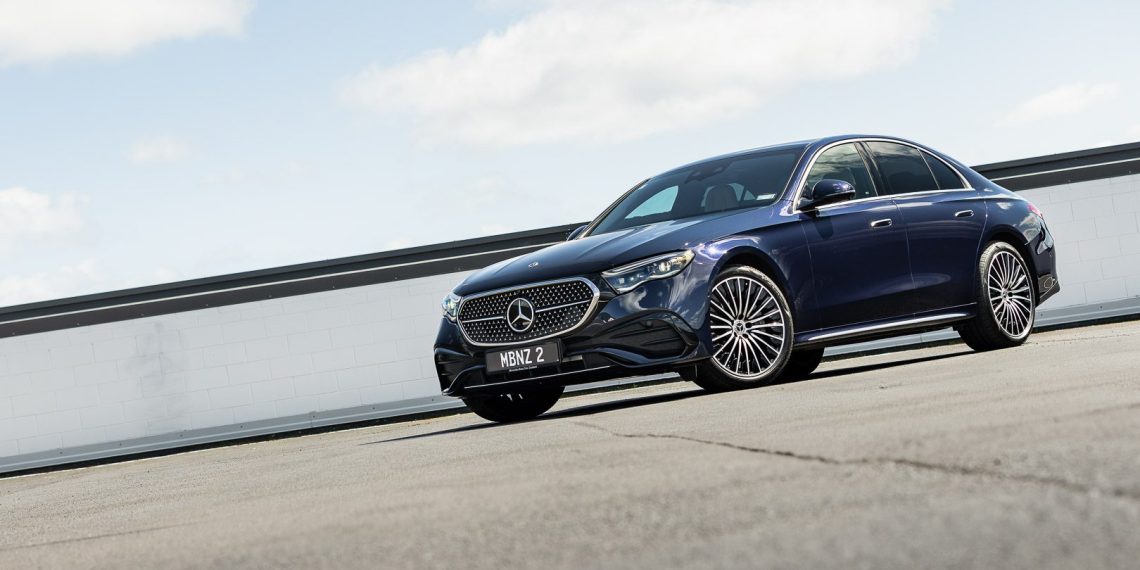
column 737, row 271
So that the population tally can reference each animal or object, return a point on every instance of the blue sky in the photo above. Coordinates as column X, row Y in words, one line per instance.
column 144, row 141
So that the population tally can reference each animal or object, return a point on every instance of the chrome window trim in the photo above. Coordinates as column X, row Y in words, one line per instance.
column 597, row 293
column 802, row 178
column 826, row 207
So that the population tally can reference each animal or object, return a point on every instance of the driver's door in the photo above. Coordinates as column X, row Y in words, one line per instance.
column 858, row 248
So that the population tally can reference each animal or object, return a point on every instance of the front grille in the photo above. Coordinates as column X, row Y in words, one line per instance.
column 558, row 307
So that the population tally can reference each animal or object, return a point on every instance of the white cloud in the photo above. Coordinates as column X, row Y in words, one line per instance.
column 598, row 70
column 45, row 30
column 1067, row 99
column 66, row 281
column 1133, row 131
column 27, row 215
column 158, row 149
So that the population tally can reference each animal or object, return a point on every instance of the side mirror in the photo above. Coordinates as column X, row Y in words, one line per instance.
column 827, row 191
column 577, row 232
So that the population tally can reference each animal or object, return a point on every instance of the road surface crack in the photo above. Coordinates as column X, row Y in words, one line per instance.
column 94, row 537
column 880, row 461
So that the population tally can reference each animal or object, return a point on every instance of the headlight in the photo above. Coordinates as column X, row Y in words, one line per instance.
column 629, row 277
column 451, row 305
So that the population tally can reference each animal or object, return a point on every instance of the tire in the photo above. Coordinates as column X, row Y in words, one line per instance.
column 514, row 407
column 1007, row 300
column 802, row 363
column 748, row 316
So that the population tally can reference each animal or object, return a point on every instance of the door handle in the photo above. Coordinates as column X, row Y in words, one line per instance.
column 881, row 223
column 964, row 214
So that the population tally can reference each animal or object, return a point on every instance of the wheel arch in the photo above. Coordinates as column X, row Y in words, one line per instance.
column 1011, row 236
column 757, row 259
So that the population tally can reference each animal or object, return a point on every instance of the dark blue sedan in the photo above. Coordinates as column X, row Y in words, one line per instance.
column 737, row 271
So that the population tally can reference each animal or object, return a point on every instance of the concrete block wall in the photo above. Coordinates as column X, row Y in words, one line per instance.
column 218, row 367
column 1097, row 229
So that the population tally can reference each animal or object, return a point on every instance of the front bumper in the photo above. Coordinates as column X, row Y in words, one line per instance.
column 1045, row 263
column 641, row 332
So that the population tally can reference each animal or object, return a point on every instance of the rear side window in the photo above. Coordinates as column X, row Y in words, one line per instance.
column 947, row 179
column 903, row 168
column 844, row 163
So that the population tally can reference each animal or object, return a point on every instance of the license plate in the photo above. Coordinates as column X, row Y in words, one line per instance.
column 522, row 358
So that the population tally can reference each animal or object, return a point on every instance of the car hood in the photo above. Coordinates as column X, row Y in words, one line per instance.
column 594, row 254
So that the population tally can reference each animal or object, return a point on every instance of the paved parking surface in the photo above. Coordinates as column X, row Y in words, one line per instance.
column 936, row 457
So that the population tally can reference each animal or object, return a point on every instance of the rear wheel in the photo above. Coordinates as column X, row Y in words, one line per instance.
column 751, row 329
column 1006, row 301
column 802, row 363
column 514, row 407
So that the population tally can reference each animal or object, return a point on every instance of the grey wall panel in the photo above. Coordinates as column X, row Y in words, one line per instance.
column 178, row 374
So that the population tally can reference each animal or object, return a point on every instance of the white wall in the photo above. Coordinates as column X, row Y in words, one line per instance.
column 220, row 366
column 1097, row 229
column 167, row 377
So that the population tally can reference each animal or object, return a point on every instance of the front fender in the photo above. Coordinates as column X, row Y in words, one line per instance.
column 780, row 252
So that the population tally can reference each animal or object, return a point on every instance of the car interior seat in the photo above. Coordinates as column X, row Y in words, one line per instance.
column 721, row 197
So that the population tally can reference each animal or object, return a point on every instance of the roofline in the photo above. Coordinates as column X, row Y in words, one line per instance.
column 451, row 257
column 802, row 145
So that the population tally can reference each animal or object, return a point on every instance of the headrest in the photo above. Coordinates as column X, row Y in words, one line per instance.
column 721, row 197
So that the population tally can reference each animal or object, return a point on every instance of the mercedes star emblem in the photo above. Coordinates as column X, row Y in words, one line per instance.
column 520, row 315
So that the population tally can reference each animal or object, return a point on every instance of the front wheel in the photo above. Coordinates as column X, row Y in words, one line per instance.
column 751, row 329
column 802, row 363
column 1006, row 301
column 514, row 407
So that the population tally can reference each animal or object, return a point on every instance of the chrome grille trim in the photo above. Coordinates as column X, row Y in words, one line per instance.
column 510, row 293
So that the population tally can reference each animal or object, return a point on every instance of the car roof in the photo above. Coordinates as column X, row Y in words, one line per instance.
column 797, row 145
column 801, row 145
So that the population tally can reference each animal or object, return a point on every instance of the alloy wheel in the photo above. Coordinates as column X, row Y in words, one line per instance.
column 1010, row 294
column 747, row 327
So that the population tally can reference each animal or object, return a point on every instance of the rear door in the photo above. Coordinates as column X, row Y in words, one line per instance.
column 858, row 248
column 943, row 219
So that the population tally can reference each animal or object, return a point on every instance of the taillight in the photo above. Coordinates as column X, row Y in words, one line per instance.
column 1036, row 210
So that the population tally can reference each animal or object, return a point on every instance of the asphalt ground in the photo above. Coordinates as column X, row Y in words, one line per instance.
column 936, row 457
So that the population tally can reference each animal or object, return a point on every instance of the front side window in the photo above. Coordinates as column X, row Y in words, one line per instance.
column 902, row 167
column 747, row 181
column 844, row 163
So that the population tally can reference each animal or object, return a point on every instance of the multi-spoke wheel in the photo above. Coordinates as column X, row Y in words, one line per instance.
column 1006, row 300
column 751, row 330
column 1011, row 297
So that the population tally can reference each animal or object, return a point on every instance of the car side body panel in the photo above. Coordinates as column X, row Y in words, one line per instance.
column 859, row 259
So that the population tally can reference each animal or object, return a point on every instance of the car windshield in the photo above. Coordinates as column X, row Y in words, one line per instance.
column 746, row 181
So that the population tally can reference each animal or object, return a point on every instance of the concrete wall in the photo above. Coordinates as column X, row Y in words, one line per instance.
column 365, row 352
column 1097, row 227
column 305, row 356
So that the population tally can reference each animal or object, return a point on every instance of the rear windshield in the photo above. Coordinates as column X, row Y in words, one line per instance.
column 747, row 181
